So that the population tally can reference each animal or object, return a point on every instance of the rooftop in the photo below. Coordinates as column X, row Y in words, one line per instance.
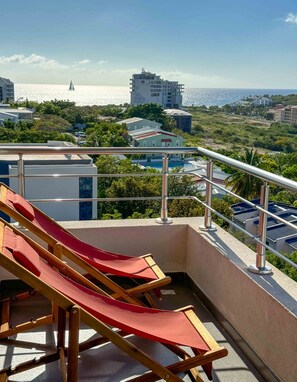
column 40, row 158
column 276, row 230
column 177, row 112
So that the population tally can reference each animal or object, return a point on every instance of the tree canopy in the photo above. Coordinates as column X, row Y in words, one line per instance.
column 152, row 112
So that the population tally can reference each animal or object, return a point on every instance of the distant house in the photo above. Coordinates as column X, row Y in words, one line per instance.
column 182, row 118
column 136, row 123
column 5, row 116
column 148, row 137
column 261, row 101
column 279, row 236
column 6, row 89
column 14, row 115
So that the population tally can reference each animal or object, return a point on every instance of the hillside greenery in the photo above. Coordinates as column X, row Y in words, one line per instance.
column 214, row 128
column 248, row 138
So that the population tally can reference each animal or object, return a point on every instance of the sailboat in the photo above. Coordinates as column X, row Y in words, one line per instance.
column 71, row 86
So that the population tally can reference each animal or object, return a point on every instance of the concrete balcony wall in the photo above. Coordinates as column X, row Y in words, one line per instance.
column 167, row 243
column 261, row 310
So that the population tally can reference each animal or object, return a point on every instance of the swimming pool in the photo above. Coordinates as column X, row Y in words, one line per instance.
column 185, row 164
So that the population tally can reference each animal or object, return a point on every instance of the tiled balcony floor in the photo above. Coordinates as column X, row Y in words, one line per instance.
column 106, row 363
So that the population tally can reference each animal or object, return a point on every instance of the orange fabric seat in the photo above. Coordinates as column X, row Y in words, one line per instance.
column 95, row 261
column 50, row 276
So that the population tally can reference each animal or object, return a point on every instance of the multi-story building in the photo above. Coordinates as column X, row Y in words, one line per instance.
column 6, row 89
column 182, row 118
column 148, row 87
column 287, row 114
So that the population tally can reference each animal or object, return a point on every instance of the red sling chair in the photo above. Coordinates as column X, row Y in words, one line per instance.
column 95, row 261
column 62, row 285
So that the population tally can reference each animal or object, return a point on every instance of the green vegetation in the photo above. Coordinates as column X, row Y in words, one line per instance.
column 106, row 134
column 245, row 136
column 283, row 265
column 290, row 99
column 32, row 132
column 242, row 183
column 152, row 112
column 214, row 128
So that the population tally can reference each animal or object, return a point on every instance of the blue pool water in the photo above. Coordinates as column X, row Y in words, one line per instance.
column 171, row 164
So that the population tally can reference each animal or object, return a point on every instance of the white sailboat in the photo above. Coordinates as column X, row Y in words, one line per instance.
column 71, row 86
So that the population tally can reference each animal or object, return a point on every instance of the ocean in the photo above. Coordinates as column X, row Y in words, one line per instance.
column 117, row 95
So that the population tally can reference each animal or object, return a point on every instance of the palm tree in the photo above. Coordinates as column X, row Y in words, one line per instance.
column 243, row 184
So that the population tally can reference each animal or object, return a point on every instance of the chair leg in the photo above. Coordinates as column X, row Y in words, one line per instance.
column 62, row 364
column 3, row 377
column 61, row 327
column 73, row 346
column 5, row 313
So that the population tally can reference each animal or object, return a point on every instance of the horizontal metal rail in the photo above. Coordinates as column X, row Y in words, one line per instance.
column 267, row 178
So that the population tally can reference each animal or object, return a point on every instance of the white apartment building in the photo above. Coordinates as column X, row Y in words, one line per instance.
column 6, row 89
column 148, row 87
column 83, row 186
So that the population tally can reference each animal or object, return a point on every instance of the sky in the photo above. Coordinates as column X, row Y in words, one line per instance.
column 200, row 43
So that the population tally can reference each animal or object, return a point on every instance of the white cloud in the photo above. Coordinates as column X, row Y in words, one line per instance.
column 33, row 59
column 102, row 62
column 85, row 61
column 194, row 79
column 291, row 18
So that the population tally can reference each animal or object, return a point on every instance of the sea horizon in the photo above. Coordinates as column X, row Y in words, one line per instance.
column 87, row 95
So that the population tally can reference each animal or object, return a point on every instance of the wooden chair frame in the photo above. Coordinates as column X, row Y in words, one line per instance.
column 130, row 295
column 77, row 314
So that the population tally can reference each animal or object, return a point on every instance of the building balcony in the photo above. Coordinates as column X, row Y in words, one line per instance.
column 253, row 315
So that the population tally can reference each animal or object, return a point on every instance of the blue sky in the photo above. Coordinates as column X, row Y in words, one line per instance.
column 201, row 43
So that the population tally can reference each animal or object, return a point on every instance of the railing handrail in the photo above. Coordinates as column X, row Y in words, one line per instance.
column 265, row 176
column 255, row 171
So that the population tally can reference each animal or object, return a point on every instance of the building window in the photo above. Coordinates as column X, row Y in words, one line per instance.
column 85, row 191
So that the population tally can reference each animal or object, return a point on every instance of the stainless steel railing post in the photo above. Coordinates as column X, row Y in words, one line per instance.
column 208, row 199
column 260, row 267
column 21, row 176
column 164, row 219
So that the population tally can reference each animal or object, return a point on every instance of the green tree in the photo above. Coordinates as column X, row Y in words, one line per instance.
column 152, row 112
column 244, row 184
column 125, row 187
column 49, row 107
column 291, row 172
column 135, row 187
column 106, row 134
column 8, row 124
column 283, row 265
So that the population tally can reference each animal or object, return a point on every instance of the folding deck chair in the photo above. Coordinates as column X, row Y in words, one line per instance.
column 96, row 262
column 62, row 285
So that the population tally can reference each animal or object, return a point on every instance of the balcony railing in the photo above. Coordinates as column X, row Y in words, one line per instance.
column 267, row 178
